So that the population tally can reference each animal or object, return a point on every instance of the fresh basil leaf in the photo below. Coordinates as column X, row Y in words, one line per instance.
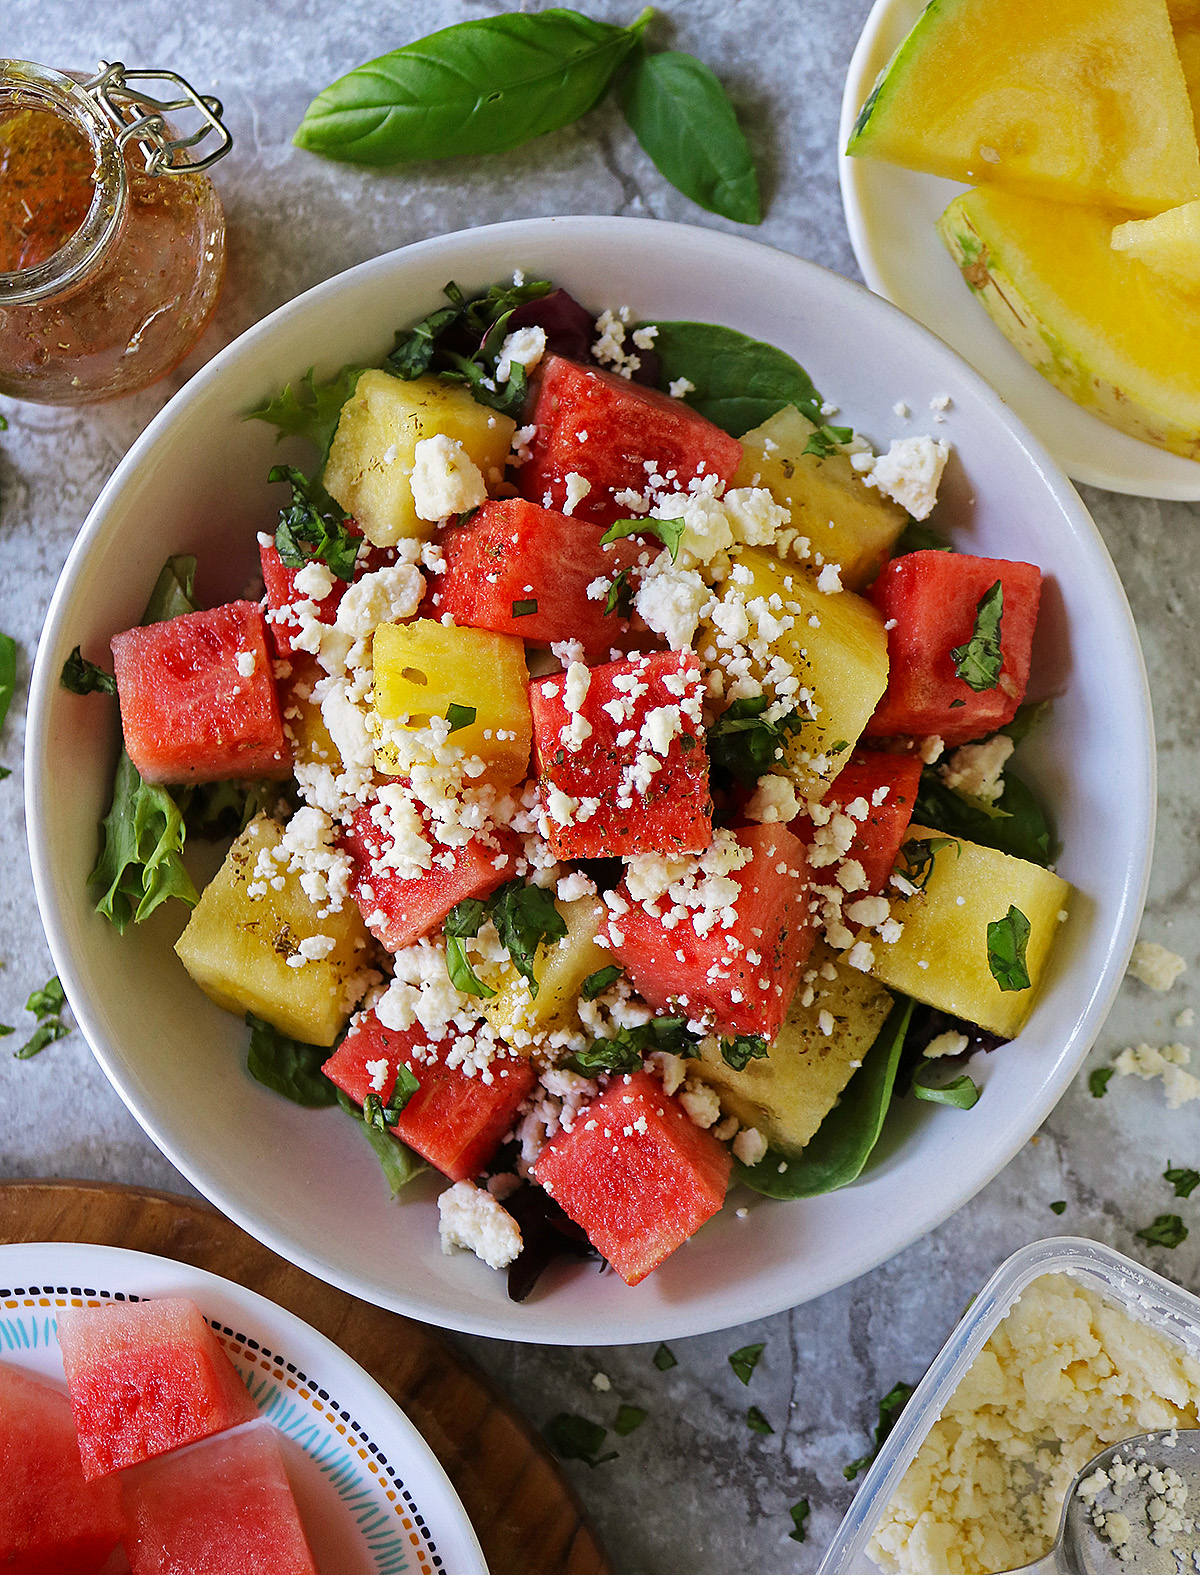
column 979, row 661
column 745, row 1360
column 799, row 1513
column 288, row 1066
column 596, row 983
column 1007, row 939
column 890, row 1408
column 1099, row 1080
column 575, row 1438
column 525, row 917
column 1059, row 1207
column 525, row 609
column 664, row 1358
column 49, row 1000
column 962, row 1092
column 743, row 743
column 508, row 398
column 78, row 675
column 620, row 596
column 312, row 530
column 623, row 1053
column 44, row 1034
column 500, row 302
column 629, row 1419
column 460, row 716
column 142, row 837
column 461, row 973
column 414, row 349
column 1168, row 1230
column 738, row 1052
column 737, row 382
column 682, row 117
column 842, row 1144
column 466, row 917
column 482, row 86
column 174, row 593
column 827, row 440
column 1185, row 1182
column 1015, row 824
column 918, row 856
column 669, row 532
column 8, row 673
column 310, row 410
column 400, row 1165
column 919, row 537
column 757, row 1422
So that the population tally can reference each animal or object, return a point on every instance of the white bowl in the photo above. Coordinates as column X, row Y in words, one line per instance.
column 890, row 213
column 304, row 1182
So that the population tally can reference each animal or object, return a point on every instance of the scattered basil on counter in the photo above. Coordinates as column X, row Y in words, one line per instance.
column 683, row 119
column 1185, row 1182
column 1099, row 1080
column 313, row 528
column 1016, row 823
column 1007, row 939
column 44, row 1034
column 8, row 674
column 757, row 1422
column 746, row 1360
column 288, row 1066
column 46, row 1005
column 398, row 1162
column 78, row 675
column 310, row 410
column 743, row 743
column 843, row 1142
column 460, row 716
column 962, row 1092
column 49, row 1000
column 629, row 1419
column 575, row 1438
column 739, row 1052
column 979, row 661
column 669, row 532
column 799, row 1513
column 596, row 983
column 890, row 1408
column 1168, row 1230
column 737, row 382
column 1059, row 1208
column 664, row 1358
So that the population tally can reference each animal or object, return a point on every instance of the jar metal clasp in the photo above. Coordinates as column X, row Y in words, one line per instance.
column 137, row 117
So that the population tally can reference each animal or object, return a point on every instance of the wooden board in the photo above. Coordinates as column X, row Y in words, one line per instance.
column 523, row 1510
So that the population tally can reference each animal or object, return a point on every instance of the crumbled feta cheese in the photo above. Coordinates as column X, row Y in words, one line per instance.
column 829, row 581
column 475, row 1221
column 445, row 479
column 701, row 1103
column 909, row 473
column 680, row 386
column 314, row 580
column 774, row 800
column 378, row 1071
column 670, row 600
column 1147, row 1061
column 523, row 347
column 578, row 488
column 1155, row 966
column 949, row 1043
column 750, row 1146
column 246, row 663
column 976, row 769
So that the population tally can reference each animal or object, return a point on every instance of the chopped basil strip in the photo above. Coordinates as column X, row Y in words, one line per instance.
column 1099, row 1080
column 462, row 975
column 620, row 596
column 398, row 1162
column 1185, row 1182
column 44, row 1034
column 917, row 858
column 962, row 1093
column 664, row 1358
column 799, row 1514
column 1007, row 939
column 978, row 662
column 757, row 1422
column 460, row 716
column 917, row 537
column 525, row 917
column 828, row 440
column 745, row 1048
column 78, row 675
column 575, row 1438
column 890, row 1408
column 414, row 349
column 377, row 1114
column 669, row 532
column 745, row 744
column 623, row 1053
column 525, row 608
column 288, row 1066
column 745, row 1360
column 629, row 1419
column 596, row 983
column 1059, row 1208
column 313, row 529
column 1168, row 1230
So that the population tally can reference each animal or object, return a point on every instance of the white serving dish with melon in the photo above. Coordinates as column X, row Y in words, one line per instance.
column 303, row 1181
column 1140, row 372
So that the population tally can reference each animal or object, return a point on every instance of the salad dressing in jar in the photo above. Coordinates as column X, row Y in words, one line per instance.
column 112, row 241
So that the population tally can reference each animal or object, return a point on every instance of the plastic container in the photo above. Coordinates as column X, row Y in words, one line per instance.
column 1147, row 1297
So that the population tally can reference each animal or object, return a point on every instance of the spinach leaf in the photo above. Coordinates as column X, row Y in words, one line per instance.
column 286, row 1065
column 745, row 744
column 139, row 866
column 1007, row 939
column 842, row 1144
column 8, row 673
column 890, row 1408
column 737, row 381
column 174, row 592
column 400, row 1165
column 979, row 661
column 482, row 86
column 669, row 532
column 78, row 675
column 1015, row 824
column 1030, row 715
column 310, row 530
column 310, row 410
column 682, row 117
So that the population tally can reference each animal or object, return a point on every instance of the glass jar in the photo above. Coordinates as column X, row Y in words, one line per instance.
column 112, row 239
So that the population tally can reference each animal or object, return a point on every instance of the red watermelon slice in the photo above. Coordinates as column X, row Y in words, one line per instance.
column 146, row 1377
column 52, row 1522
column 223, row 1507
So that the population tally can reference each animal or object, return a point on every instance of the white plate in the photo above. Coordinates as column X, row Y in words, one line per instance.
column 373, row 1498
column 890, row 213
column 305, row 1182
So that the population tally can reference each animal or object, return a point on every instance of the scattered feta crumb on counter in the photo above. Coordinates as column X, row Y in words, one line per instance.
column 1146, row 1061
column 475, row 1221
column 602, row 1382
column 1186, row 1018
column 1154, row 966
column 1063, row 1376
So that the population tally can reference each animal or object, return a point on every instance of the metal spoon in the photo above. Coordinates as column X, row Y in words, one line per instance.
column 1081, row 1549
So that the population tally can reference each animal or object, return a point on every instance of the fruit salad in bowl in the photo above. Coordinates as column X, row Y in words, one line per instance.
column 615, row 746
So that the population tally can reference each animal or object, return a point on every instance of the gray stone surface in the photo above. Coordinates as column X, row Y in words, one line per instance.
column 693, row 1490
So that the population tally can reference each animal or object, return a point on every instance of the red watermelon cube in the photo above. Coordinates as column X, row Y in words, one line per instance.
column 146, row 1377
column 624, row 769
column 399, row 909
column 637, row 1173
column 455, row 1121
column 736, row 978
column 607, row 430
column 52, row 1521
column 929, row 601
column 517, row 568
column 877, row 791
column 224, row 1507
column 198, row 701
column 280, row 584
